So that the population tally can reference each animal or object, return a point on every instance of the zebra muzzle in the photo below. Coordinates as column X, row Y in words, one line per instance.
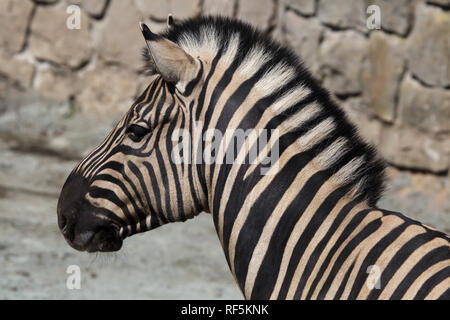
column 81, row 224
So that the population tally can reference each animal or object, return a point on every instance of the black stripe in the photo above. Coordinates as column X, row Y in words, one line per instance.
column 400, row 257
column 344, row 282
column 146, row 97
column 432, row 282
column 254, row 224
column 155, row 187
column 179, row 196
column 445, row 295
column 431, row 258
column 159, row 106
column 244, row 186
column 93, row 162
column 153, row 218
column 268, row 272
column 143, row 185
column 97, row 192
column 310, row 231
column 346, row 252
column 200, row 171
column 163, row 170
column 233, row 103
column 201, row 97
column 107, row 177
column 191, row 85
column 352, row 225
column 371, row 258
column 321, row 245
column 149, row 105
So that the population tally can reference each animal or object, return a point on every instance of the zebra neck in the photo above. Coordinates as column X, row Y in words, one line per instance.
column 259, row 218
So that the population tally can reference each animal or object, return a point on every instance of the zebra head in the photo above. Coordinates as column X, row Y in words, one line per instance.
column 126, row 185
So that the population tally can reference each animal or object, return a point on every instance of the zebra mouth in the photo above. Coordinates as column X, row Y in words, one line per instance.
column 103, row 236
column 106, row 239
column 84, row 227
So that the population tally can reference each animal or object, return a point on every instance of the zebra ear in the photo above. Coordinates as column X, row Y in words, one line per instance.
column 171, row 62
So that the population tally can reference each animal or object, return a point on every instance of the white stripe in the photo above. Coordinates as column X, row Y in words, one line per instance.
column 275, row 78
column 332, row 153
column 306, row 113
column 206, row 43
column 253, row 61
column 230, row 54
column 316, row 134
column 289, row 99
column 347, row 172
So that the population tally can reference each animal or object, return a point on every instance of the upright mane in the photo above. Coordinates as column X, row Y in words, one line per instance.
column 215, row 35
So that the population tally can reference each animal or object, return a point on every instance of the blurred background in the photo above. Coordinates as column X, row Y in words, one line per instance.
column 62, row 90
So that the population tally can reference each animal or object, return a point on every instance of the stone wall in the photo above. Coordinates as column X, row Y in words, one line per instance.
column 394, row 82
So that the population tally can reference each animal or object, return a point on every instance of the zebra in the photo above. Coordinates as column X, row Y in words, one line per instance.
column 308, row 228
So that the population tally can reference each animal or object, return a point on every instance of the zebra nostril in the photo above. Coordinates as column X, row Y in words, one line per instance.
column 64, row 230
column 66, row 227
column 62, row 222
column 68, row 232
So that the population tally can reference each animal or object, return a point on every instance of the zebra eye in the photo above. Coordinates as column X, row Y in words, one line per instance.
column 136, row 132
